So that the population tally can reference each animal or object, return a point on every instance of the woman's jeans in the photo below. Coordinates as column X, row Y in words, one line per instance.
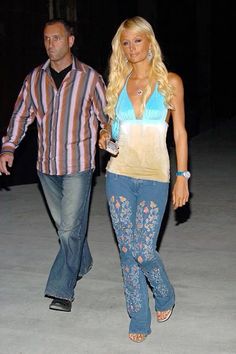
column 136, row 208
column 68, row 199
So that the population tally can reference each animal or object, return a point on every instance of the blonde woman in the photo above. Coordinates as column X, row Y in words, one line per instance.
column 142, row 96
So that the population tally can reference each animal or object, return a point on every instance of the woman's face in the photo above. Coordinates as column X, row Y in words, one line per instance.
column 135, row 46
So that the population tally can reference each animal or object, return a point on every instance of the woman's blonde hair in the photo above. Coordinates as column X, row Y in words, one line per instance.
column 120, row 68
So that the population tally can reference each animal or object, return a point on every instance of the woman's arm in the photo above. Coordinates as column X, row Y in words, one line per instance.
column 180, row 193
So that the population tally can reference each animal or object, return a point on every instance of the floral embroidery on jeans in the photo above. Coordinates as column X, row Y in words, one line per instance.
column 154, row 277
column 147, row 219
column 132, row 287
column 121, row 214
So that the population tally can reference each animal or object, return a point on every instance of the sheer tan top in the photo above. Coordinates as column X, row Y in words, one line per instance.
column 142, row 142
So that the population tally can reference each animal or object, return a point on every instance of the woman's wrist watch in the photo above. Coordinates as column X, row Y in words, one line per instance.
column 185, row 174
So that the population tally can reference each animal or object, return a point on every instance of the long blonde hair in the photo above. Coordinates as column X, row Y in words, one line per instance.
column 119, row 68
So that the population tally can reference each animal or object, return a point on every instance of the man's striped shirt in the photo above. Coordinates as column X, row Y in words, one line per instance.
column 67, row 118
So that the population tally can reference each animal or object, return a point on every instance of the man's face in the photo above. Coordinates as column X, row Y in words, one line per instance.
column 57, row 42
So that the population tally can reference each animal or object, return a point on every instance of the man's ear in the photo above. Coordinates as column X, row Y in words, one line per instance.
column 71, row 40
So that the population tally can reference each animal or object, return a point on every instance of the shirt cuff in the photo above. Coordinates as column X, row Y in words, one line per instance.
column 6, row 148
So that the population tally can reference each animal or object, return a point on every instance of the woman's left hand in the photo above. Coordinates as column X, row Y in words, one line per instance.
column 180, row 193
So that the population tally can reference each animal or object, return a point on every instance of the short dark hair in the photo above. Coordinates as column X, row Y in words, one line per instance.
column 68, row 25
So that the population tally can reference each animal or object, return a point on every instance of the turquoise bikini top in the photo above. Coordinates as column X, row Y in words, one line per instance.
column 155, row 110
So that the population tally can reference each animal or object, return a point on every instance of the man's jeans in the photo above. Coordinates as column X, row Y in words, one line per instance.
column 136, row 208
column 68, row 199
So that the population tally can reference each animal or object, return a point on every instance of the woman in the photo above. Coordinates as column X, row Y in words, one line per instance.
column 141, row 98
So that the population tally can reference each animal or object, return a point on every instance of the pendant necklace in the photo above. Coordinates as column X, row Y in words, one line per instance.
column 139, row 92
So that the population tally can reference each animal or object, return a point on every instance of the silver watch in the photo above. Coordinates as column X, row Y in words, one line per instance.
column 185, row 174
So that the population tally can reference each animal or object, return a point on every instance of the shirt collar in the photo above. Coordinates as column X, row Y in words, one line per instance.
column 76, row 64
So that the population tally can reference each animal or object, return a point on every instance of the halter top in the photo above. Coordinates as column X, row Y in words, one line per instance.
column 142, row 142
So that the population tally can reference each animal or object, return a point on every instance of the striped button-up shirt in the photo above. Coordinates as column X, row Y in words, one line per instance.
column 67, row 118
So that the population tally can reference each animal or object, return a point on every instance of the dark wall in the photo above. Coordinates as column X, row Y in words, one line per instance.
column 196, row 37
column 21, row 48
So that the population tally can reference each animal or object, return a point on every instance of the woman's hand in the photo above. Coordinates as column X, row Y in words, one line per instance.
column 180, row 193
column 104, row 135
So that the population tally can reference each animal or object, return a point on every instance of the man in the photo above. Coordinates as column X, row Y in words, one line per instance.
column 67, row 98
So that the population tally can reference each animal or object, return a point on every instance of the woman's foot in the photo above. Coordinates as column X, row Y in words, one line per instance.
column 137, row 337
column 163, row 316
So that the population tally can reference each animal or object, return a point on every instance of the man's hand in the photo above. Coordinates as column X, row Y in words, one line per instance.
column 6, row 161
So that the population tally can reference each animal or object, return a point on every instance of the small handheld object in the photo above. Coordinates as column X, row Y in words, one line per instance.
column 112, row 147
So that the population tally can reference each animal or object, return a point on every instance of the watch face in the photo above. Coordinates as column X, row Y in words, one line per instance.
column 187, row 174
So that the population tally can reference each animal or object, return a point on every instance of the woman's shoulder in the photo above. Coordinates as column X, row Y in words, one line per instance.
column 175, row 80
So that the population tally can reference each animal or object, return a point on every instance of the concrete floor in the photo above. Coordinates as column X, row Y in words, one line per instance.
column 199, row 253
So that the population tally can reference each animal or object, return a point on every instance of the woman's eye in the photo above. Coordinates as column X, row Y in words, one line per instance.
column 138, row 40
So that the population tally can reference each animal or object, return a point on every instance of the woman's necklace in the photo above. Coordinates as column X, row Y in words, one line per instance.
column 144, row 80
column 139, row 92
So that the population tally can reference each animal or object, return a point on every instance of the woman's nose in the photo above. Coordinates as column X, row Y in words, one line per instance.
column 131, row 46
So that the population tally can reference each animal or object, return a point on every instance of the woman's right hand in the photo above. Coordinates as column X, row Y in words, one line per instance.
column 104, row 135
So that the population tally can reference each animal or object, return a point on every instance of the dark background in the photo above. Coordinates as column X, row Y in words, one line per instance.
column 197, row 38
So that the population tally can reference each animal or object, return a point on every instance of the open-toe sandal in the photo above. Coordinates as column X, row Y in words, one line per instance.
column 163, row 316
column 137, row 337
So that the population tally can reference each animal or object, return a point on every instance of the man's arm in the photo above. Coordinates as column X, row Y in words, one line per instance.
column 22, row 116
column 99, row 102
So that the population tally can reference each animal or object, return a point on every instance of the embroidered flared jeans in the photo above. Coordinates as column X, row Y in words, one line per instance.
column 68, row 199
column 136, row 208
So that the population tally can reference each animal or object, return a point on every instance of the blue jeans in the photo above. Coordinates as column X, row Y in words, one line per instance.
column 136, row 208
column 68, row 199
